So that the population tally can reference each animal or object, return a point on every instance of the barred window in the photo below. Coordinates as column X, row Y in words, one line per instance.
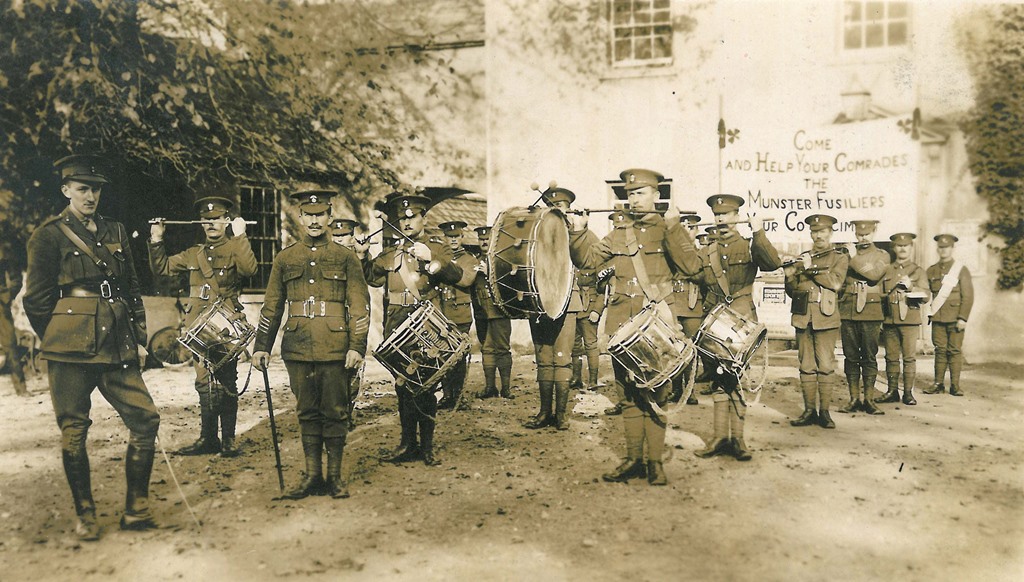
column 870, row 25
column 641, row 32
column 262, row 204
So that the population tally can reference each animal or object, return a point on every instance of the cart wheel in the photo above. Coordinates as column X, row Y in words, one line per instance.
column 164, row 346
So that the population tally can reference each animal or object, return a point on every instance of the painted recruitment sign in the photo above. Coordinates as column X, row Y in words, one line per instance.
column 854, row 171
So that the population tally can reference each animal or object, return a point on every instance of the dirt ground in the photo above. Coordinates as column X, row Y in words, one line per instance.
column 931, row 492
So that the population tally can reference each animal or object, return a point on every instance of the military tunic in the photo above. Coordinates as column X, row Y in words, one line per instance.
column 815, row 312
column 588, row 318
column 457, row 306
column 494, row 330
column 860, row 307
column 90, row 326
column 739, row 261
column 320, row 285
column 902, row 318
column 216, row 270
column 949, row 340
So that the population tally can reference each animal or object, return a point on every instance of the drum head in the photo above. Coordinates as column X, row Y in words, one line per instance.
column 553, row 265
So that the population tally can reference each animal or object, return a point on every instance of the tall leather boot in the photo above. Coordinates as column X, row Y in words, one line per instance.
column 76, row 469
column 561, row 401
column 854, row 404
column 892, row 377
column 427, row 441
column 336, row 486
column 138, row 466
column 868, row 404
column 941, row 364
column 408, row 449
column 633, row 467
column 825, row 401
column 577, row 372
column 490, row 369
column 228, row 420
column 677, row 387
column 956, row 364
column 909, row 377
column 208, row 443
column 808, row 389
column 654, row 436
column 737, row 422
column 594, row 366
column 313, row 482
column 719, row 444
column 505, row 373
column 870, row 376
column 543, row 417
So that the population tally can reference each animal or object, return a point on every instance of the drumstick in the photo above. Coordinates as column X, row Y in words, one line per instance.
column 552, row 184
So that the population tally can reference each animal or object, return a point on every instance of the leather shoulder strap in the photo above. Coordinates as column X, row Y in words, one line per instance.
column 716, row 268
column 87, row 251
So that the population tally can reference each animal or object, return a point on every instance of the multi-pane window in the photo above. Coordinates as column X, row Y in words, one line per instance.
column 868, row 25
column 263, row 205
column 641, row 32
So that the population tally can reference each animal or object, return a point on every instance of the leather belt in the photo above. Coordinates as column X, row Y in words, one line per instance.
column 200, row 292
column 312, row 308
column 403, row 299
column 103, row 290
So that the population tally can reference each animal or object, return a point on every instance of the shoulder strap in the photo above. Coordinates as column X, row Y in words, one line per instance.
column 716, row 268
column 87, row 251
column 403, row 272
column 207, row 270
column 949, row 281
column 653, row 295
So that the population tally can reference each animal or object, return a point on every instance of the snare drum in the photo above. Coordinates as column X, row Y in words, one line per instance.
column 423, row 348
column 652, row 349
column 215, row 338
column 530, row 269
column 729, row 337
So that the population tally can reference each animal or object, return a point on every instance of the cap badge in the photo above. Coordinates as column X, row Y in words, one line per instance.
column 312, row 199
column 209, row 206
column 632, row 178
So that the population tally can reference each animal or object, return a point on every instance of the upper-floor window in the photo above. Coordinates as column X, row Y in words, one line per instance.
column 261, row 204
column 868, row 25
column 641, row 32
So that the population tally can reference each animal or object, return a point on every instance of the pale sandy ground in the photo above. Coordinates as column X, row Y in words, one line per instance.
column 932, row 492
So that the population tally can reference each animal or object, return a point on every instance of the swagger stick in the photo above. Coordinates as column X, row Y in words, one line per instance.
column 273, row 429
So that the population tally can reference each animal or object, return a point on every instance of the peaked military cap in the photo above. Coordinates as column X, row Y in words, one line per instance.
column 213, row 206
column 483, row 231
column 553, row 195
column 636, row 178
column 407, row 206
column 702, row 238
column 690, row 217
column 722, row 203
column 452, row 228
column 820, row 221
column 903, row 238
column 82, row 167
column 864, row 226
column 945, row 240
column 313, row 201
column 343, row 226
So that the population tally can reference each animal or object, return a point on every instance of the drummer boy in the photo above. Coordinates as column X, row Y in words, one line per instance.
column 216, row 270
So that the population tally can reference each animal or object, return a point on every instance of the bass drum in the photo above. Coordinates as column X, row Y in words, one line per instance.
column 530, row 270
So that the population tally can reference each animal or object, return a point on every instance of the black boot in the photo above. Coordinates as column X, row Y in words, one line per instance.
column 954, row 390
column 577, row 373
column 228, row 419
column 893, row 395
column 825, row 420
column 138, row 466
column 854, row 404
column 427, row 440
column 656, row 473
column 407, row 449
column 595, row 374
column 869, row 407
column 505, row 374
column 543, row 417
column 629, row 469
column 807, row 418
column 313, row 483
column 719, row 446
column 76, row 468
column 208, row 443
column 909, row 376
column 336, row 486
column 614, row 410
column 490, row 369
column 937, row 388
column 739, row 450
column 561, row 400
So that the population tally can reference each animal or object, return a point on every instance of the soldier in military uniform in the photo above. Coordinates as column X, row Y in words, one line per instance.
column 587, row 319
column 860, row 308
column 688, row 308
column 457, row 306
column 497, row 328
column 10, row 286
column 644, row 248
column 730, row 265
column 953, row 292
column 813, row 284
column 343, row 233
column 904, row 287
column 411, row 271
column 321, row 286
column 82, row 298
column 552, row 342
column 216, row 269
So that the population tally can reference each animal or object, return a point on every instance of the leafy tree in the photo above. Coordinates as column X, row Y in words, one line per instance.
column 994, row 47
